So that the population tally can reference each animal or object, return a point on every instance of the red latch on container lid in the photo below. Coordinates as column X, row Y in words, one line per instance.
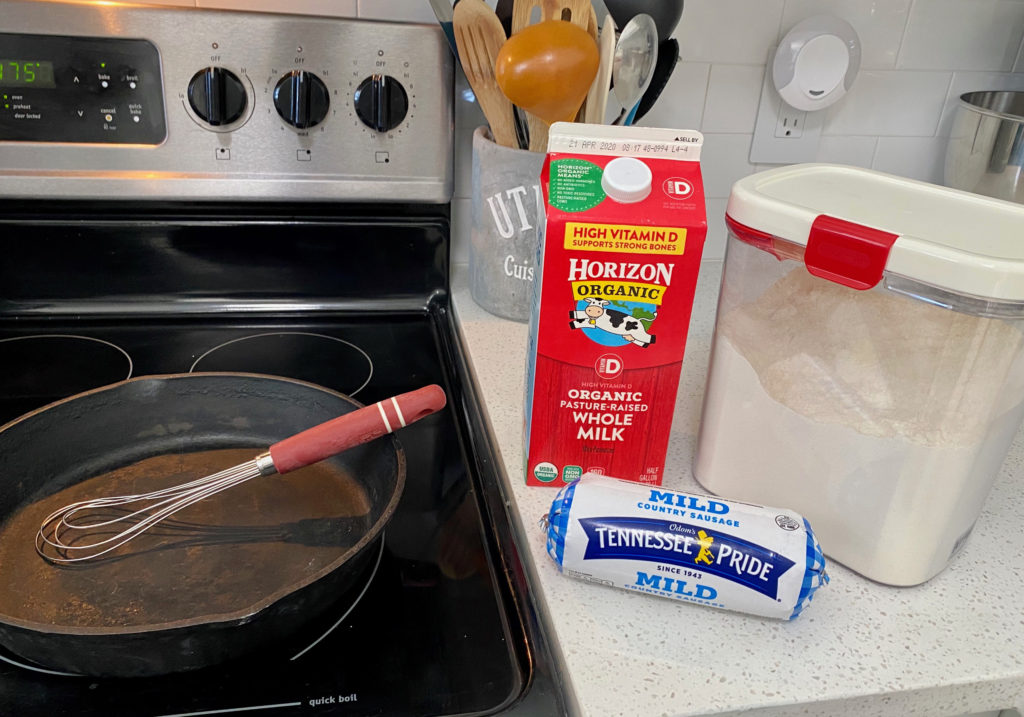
column 748, row 235
column 847, row 253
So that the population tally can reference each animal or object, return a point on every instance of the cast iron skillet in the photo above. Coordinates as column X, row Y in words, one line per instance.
column 236, row 572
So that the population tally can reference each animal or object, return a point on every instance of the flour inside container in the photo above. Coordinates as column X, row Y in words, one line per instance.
column 879, row 363
column 882, row 418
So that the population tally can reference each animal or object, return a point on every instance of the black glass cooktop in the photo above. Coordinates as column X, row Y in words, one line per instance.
column 425, row 632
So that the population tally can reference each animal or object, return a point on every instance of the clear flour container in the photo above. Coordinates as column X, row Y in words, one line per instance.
column 868, row 361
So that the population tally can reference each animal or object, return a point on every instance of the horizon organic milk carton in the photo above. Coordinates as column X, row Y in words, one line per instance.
column 619, row 260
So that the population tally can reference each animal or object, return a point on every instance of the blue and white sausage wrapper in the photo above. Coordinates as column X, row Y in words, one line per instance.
column 694, row 548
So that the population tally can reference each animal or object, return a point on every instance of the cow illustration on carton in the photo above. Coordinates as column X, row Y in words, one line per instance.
column 597, row 315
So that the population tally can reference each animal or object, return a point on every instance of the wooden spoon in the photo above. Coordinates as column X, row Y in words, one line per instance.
column 577, row 12
column 479, row 36
column 547, row 69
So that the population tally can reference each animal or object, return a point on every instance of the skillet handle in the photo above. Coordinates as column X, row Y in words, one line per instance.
column 353, row 429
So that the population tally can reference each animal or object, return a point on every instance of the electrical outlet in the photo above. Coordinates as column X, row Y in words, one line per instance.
column 791, row 123
column 783, row 135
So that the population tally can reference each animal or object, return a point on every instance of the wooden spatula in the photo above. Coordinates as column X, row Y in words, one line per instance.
column 479, row 36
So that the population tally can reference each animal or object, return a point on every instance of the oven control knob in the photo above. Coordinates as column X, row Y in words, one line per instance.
column 217, row 96
column 302, row 99
column 381, row 102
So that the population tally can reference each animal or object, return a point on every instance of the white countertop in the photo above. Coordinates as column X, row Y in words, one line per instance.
column 952, row 646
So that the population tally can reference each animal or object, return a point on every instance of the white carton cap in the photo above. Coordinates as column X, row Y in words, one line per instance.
column 963, row 243
column 627, row 180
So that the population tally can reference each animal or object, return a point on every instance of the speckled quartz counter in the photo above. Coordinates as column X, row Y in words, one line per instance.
column 952, row 646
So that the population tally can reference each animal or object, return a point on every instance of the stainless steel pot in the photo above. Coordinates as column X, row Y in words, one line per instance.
column 985, row 153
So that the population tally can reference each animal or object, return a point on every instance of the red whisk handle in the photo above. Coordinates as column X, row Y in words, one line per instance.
column 352, row 429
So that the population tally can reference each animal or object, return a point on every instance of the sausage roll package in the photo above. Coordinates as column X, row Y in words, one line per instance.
column 693, row 548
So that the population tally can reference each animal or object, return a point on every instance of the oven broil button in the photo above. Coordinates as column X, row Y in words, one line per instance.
column 302, row 99
column 217, row 96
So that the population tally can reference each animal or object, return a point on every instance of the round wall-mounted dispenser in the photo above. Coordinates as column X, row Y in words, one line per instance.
column 816, row 62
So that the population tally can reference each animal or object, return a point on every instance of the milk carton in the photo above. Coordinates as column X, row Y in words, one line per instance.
column 623, row 239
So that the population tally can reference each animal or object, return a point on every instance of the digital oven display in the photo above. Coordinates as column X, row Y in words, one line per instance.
column 79, row 90
column 26, row 73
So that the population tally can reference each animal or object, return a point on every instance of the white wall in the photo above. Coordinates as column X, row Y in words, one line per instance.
column 918, row 57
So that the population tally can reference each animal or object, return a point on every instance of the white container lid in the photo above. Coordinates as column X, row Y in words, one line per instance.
column 857, row 223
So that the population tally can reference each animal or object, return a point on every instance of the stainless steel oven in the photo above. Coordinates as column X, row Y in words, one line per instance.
column 188, row 191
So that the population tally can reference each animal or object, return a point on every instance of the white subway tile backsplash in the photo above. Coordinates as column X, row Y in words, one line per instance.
column 714, row 244
column 732, row 98
column 914, row 157
column 330, row 8
column 724, row 159
column 730, row 31
column 681, row 104
column 918, row 57
column 879, row 24
column 962, row 35
column 974, row 82
column 900, row 103
column 401, row 10
column 856, row 151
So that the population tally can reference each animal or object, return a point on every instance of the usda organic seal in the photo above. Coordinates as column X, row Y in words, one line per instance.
column 545, row 472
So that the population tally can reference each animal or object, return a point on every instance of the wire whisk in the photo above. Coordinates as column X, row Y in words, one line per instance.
column 89, row 529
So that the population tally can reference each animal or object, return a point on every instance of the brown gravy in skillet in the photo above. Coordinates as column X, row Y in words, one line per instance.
column 230, row 552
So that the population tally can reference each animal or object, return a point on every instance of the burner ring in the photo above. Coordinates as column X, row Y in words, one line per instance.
column 42, row 368
column 274, row 362
column 352, row 606
column 36, row 668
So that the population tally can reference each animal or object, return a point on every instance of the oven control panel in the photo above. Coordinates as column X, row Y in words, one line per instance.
column 115, row 101
column 75, row 89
